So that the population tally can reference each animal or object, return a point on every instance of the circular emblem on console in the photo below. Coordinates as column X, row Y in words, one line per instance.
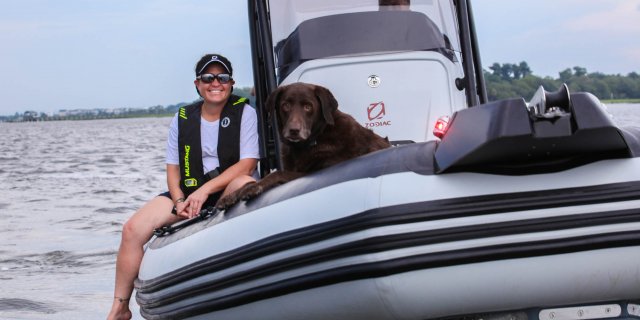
column 373, row 81
column 225, row 122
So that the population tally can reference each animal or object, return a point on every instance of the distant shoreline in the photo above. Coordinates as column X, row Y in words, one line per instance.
column 171, row 114
column 110, row 113
column 133, row 116
column 621, row 101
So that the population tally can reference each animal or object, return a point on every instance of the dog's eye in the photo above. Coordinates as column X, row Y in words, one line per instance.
column 285, row 107
column 308, row 108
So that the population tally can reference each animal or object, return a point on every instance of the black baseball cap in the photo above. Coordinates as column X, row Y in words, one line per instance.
column 213, row 58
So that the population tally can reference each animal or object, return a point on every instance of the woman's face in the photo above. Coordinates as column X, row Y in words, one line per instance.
column 214, row 92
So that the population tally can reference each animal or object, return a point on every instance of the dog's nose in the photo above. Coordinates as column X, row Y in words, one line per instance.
column 294, row 132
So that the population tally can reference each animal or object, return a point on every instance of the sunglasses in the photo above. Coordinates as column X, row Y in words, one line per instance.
column 223, row 78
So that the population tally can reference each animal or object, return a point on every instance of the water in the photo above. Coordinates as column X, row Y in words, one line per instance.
column 65, row 190
column 625, row 114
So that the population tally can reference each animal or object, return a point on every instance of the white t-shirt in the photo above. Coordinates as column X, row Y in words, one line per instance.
column 209, row 139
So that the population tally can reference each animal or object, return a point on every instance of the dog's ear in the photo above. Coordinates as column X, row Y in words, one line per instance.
column 328, row 103
column 272, row 101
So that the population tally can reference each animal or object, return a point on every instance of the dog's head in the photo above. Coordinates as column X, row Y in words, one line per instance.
column 303, row 110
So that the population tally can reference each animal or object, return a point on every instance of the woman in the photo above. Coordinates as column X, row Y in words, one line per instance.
column 212, row 149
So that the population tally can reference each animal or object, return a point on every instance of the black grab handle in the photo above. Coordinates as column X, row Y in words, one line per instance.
column 203, row 215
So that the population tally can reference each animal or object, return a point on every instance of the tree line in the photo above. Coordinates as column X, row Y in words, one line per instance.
column 510, row 80
column 503, row 81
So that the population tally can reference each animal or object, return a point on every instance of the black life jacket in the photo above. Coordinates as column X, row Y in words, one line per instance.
column 192, row 175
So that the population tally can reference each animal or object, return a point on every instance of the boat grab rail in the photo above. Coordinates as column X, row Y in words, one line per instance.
column 204, row 214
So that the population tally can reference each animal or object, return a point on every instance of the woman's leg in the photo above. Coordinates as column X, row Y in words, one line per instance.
column 135, row 233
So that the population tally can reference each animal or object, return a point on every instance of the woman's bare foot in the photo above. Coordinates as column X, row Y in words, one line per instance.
column 120, row 310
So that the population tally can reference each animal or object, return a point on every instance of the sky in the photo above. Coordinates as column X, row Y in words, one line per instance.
column 83, row 54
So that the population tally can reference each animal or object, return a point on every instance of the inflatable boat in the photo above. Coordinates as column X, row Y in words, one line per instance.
column 512, row 209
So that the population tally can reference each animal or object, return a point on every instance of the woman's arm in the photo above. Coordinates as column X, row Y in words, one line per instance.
column 173, row 182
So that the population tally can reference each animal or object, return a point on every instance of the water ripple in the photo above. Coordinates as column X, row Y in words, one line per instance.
column 59, row 261
column 108, row 191
column 15, row 304
column 115, row 210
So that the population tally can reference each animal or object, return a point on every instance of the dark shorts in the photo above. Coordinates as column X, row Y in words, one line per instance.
column 211, row 201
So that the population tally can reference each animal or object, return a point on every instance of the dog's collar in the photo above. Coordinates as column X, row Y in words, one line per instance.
column 302, row 144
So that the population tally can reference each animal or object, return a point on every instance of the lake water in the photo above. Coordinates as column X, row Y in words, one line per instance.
column 66, row 189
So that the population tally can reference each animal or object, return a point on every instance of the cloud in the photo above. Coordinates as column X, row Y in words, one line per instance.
column 126, row 53
column 595, row 34
column 631, row 54
column 621, row 20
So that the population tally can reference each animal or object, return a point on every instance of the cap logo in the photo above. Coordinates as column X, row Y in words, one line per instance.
column 214, row 59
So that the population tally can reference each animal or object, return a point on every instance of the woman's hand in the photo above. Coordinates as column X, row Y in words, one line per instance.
column 193, row 203
column 180, row 206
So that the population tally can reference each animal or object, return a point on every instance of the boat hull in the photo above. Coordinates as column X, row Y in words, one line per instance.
column 406, row 245
column 474, row 288
column 509, row 212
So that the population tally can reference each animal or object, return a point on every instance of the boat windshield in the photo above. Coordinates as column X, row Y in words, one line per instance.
column 304, row 30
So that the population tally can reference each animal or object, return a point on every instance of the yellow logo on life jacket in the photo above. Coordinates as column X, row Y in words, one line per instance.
column 187, row 148
column 183, row 113
column 191, row 182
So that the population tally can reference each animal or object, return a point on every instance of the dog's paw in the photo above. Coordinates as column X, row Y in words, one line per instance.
column 227, row 201
column 248, row 192
column 251, row 191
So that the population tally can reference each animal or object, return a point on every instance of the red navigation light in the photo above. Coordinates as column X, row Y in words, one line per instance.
column 441, row 127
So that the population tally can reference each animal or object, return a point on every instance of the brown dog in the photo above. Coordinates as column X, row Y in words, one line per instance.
column 314, row 135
